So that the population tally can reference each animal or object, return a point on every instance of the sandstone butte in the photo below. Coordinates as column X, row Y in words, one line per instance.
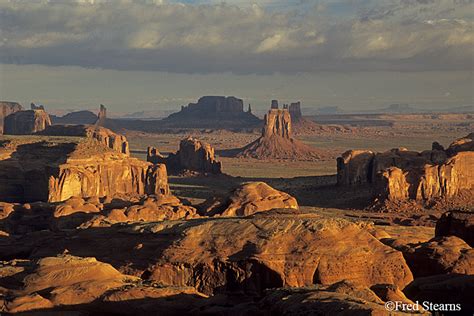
column 192, row 155
column 277, row 142
column 26, row 122
column 46, row 168
column 7, row 108
column 400, row 175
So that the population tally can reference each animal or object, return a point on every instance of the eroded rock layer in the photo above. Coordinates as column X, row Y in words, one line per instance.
column 55, row 169
column 104, row 135
column 277, row 141
column 399, row 174
column 193, row 155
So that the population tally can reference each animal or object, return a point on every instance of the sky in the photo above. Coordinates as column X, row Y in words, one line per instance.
column 135, row 55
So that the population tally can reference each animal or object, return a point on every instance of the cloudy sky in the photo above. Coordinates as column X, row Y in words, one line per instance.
column 144, row 54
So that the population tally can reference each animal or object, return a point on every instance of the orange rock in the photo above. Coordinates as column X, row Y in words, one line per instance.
column 248, row 199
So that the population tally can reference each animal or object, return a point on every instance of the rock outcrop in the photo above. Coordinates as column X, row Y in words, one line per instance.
column 274, row 252
column 192, row 155
column 399, row 174
column 102, row 116
column 77, row 117
column 213, row 112
column 295, row 112
column 248, row 199
column 277, row 141
column 457, row 223
column 7, row 108
column 49, row 169
column 26, row 122
column 103, row 135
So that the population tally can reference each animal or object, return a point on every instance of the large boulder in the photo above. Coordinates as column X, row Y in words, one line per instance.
column 248, row 199
column 440, row 255
column 26, row 122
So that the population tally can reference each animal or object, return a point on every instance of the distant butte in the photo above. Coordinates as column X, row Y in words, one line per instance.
column 276, row 141
column 213, row 112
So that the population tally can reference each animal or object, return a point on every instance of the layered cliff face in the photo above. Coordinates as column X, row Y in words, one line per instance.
column 193, row 155
column 7, row 108
column 103, row 135
column 26, row 122
column 277, row 141
column 57, row 168
column 400, row 174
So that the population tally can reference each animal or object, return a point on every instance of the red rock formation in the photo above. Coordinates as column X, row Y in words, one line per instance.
column 26, row 122
column 213, row 112
column 281, row 251
column 193, row 155
column 103, row 135
column 7, row 108
column 248, row 199
column 399, row 174
column 57, row 169
column 277, row 142
column 102, row 116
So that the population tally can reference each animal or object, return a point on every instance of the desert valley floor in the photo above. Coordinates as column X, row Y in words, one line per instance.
column 264, row 237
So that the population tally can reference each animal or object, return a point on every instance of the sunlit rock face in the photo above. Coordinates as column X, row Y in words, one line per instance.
column 57, row 168
column 400, row 174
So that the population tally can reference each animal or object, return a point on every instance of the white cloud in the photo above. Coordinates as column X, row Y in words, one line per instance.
column 173, row 37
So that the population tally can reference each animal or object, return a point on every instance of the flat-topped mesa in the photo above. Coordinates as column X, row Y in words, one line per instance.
column 213, row 112
column 193, row 155
column 7, row 108
column 278, row 123
column 399, row 174
column 56, row 168
column 26, row 122
column 103, row 135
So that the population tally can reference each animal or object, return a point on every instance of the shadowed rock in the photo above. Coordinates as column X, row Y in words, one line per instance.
column 26, row 122
column 7, row 108
column 49, row 169
column 193, row 155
